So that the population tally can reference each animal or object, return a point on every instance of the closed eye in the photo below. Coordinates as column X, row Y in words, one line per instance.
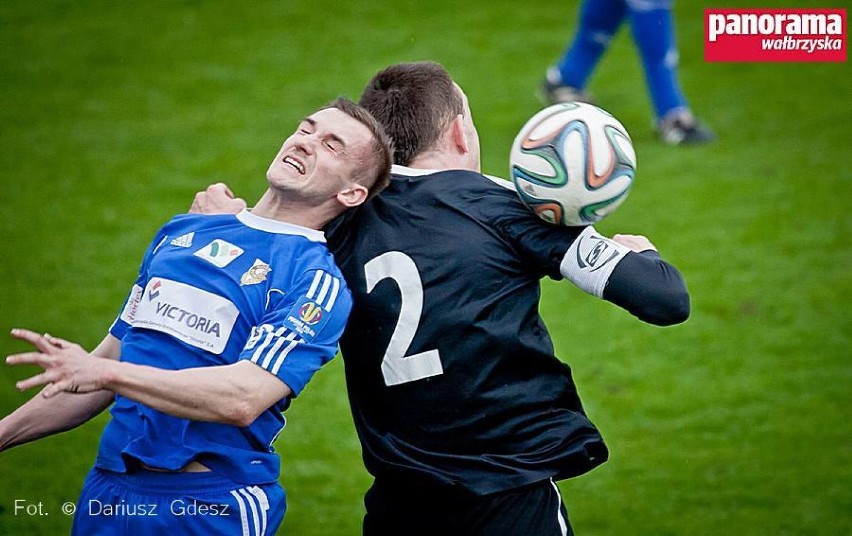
column 307, row 126
column 334, row 146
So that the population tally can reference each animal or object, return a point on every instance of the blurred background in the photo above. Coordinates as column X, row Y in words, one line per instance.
column 114, row 113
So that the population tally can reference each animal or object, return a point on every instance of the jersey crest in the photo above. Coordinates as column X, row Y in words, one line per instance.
column 256, row 274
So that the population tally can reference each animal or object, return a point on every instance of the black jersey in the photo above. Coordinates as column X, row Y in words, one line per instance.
column 450, row 371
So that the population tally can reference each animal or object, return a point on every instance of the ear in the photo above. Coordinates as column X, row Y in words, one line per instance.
column 353, row 196
column 458, row 134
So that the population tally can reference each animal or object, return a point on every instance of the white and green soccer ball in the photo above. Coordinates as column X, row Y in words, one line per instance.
column 573, row 164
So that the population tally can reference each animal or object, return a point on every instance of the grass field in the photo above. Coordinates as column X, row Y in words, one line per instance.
column 114, row 113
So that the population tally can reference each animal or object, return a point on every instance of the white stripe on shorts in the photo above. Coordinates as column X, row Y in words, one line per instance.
column 263, row 501
column 563, row 526
column 243, row 516
column 254, row 516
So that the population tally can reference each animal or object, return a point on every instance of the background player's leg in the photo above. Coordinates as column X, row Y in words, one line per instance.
column 599, row 21
column 653, row 31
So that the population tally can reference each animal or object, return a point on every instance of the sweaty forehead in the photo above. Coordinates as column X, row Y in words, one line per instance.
column 352, row 132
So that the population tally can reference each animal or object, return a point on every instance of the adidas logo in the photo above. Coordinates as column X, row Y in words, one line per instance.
column 183, row 241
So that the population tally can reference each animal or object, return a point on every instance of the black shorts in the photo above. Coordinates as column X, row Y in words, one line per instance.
column 396, row 508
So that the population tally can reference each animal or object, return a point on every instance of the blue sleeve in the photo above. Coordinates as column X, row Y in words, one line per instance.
column 300, row 330
column 125, row 317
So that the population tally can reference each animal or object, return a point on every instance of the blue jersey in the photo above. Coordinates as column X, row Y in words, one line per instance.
column 213, row 290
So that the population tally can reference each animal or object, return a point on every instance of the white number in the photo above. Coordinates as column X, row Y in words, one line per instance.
column 397, row 367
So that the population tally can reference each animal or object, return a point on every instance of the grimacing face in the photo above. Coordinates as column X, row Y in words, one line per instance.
column 322, row 156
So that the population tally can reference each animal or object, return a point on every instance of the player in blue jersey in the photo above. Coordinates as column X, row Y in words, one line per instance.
column 230, row 317
column 465, row 416
column 652, row 29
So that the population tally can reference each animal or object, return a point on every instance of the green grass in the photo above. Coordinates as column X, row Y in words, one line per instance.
column 114, row 113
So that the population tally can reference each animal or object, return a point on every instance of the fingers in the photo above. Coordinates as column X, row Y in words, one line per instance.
column 195, row 208
column 217, row 199
column 42, row 342
column 219, row 188
column 634, row 242
column 39, row 379
column 54, row 389
column 28, row 358
column 57, row 342
column 224, row 187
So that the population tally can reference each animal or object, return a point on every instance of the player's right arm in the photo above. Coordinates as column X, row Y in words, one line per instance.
column 45, row 415
column 41, row 417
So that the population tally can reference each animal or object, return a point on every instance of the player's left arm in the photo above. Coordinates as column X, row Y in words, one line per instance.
column 233, row 394
column 41, row 417
column 628, row 271
column 625, row 270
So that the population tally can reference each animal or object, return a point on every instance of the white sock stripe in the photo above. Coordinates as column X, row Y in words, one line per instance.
column 263, row 501
column 563, row 526
column 243, row 517
column 255, row 518
column 334, row 291
column 275, row 347
column 283, row 355
column 314, row 284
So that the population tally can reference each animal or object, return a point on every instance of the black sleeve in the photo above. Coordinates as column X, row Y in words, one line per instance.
column 540, row 245
column 649, row 288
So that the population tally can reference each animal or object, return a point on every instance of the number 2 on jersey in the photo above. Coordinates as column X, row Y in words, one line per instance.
column 398, row 368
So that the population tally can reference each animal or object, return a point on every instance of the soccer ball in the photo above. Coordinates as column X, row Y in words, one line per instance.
column 573, row 164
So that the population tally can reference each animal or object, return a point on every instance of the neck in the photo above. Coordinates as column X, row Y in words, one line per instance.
column 445, row 154
column 274, row 207
column 438, row 160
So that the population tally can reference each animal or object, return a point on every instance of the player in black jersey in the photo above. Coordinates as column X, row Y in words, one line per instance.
column 466, row 418
column 465, row 415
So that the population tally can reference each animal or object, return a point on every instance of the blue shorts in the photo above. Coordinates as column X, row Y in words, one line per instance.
column 151, row 503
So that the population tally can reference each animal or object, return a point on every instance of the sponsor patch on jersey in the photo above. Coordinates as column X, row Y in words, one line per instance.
column 192, row 315
column 306, row 318
column 219, row 253
column 132, row 304
column 256, row 274
column 183, row 241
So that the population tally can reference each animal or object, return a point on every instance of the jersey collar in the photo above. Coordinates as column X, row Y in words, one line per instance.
column 416, row 172
column 279, row 227
column 413, row 172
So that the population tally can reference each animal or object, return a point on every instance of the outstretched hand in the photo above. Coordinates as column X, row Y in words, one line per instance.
column 67, row 366
column 217, row 199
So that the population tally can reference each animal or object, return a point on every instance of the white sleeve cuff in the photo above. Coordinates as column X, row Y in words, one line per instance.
column 590, row 260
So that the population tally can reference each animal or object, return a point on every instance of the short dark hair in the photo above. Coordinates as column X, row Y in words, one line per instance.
column 415, row 102
column 378, row 175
